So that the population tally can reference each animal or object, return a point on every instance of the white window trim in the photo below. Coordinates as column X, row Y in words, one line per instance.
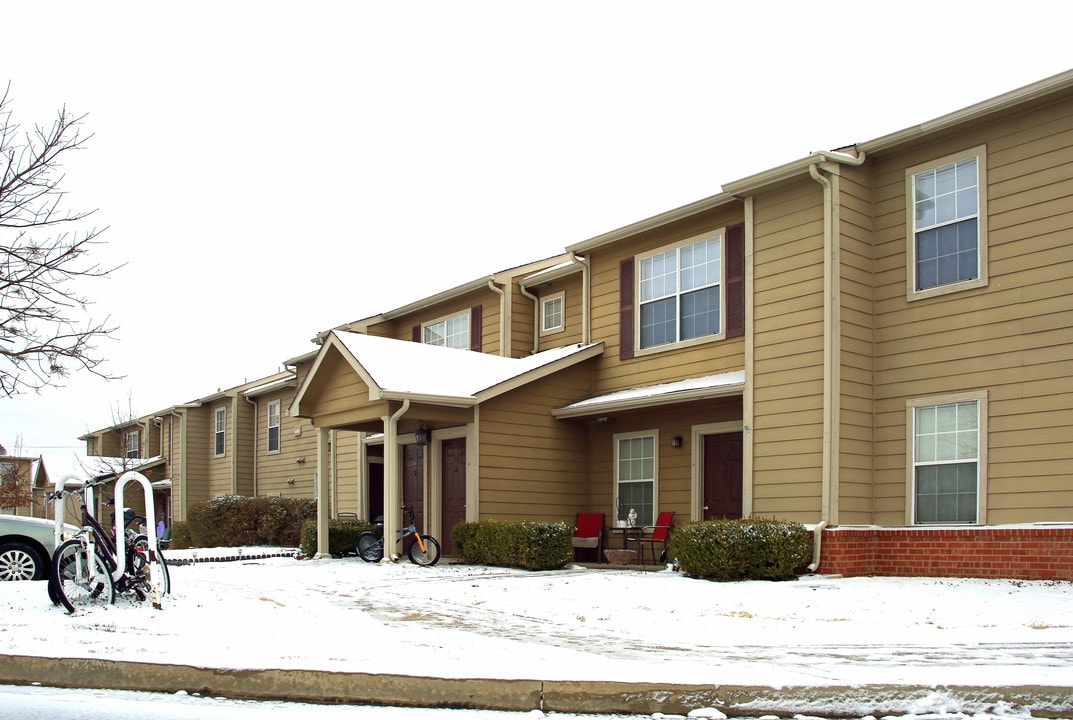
column 980, row 153
column 615, row 439
column 561, row 297
column 910, row 465
column 721, row 335
column 278, row 426
column 467, row 314
column 216, row 431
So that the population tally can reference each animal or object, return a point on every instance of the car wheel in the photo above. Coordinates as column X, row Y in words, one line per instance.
column 20, row 562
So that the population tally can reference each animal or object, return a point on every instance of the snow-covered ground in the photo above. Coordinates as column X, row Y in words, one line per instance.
column 577, row 624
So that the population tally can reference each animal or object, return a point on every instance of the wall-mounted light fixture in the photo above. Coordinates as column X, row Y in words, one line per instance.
column 676, row 441
column 422, row 435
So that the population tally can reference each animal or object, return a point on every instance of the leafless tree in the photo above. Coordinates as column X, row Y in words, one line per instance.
column 43, row 252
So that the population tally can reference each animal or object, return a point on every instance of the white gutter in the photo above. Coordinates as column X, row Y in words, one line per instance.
column 255, row 418
column 817, row 545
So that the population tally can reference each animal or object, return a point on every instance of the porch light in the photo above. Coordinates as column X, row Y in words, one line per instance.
column 422, row 435
column 676, row 441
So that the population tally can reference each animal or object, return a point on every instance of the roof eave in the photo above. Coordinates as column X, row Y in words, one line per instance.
column 568, row 412
column 654, row 222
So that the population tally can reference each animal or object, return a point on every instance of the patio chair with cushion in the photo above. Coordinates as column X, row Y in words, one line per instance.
column 660, row 531
column 589, row 534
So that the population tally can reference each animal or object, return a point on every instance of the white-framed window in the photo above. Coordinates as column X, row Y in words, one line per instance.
column 947, row 459
column 452, row 332
column 636, row 462
column 553, row 313
column 947, row 224
column 273, row 426
column 221, row 431
column 680, row 292
column 132, row 444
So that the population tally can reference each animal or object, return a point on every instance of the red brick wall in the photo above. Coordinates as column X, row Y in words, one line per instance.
column 1026, row 553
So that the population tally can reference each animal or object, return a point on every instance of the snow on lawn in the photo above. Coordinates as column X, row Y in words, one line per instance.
column 576, row 624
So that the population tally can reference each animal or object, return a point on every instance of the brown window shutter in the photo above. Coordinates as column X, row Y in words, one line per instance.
column 417, row 333
column 735, row 281
column 625, row 310
column 476, row 327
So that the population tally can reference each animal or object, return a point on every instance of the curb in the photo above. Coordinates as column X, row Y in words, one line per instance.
column 312, row 686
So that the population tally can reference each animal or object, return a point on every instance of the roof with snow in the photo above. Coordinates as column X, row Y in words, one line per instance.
column 400, row 369
column 699, row 388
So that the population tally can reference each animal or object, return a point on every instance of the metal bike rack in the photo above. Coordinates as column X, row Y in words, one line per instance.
column 150, row 522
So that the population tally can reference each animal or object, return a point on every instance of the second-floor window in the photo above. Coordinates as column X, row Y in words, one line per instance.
column 947, row 224
column 273, row 426
column 132, row 444
column 552, row 313
column 221, row 430
column 452, row 332
column 679, row 294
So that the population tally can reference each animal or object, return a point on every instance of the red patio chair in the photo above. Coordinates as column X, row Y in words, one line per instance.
column 589, row 533
column 660, row 531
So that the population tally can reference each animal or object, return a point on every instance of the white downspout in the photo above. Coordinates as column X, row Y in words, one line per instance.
column 831, row 348
column 392, row 480
column 504, row 338
column 255, row 453
column 536, row 316
column 585, row 299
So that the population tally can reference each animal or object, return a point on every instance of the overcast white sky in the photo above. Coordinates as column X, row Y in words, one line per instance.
column 267, row 170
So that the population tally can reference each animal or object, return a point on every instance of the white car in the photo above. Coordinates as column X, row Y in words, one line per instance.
column 26, row 546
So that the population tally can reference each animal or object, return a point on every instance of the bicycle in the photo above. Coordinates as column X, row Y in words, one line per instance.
column 425, row 549
column 75, row 581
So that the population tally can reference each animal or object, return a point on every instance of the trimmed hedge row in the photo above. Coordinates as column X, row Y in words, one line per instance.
column 342, row 536
column 526, row 544
column 237, row 520
column 746, row 549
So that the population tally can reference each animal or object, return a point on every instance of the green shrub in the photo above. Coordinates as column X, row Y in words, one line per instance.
column 746, row 549
column 180, row 535
column 236, row 520
column 342, row 536
column 525, row 544
column 466, row 548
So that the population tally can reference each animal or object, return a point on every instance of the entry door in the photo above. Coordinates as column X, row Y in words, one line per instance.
column 376, row 490
column 413, row 487
column 453, row 473
column 722, row 476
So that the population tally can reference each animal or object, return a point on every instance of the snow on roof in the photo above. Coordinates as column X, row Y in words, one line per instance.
column 85, row 467
column 697, row 388
column 402, row 368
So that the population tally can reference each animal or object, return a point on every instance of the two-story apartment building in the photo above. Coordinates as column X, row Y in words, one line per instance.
column 875, row 341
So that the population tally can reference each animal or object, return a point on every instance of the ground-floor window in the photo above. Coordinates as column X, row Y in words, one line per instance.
column 947, row 460
column 635, row 476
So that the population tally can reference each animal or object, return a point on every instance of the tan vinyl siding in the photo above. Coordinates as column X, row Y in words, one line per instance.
column 198, row 452
column 275, row 469
column 787, row 436
column 1012, row 338
column 244, row 443
column 345, row 472
column 531, row 465
column 857, row 326
column 521, row 322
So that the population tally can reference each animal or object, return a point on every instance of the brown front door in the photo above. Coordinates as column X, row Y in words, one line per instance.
column 453, row 474
column 376, row 491
column 413, row 487
column 722, row 476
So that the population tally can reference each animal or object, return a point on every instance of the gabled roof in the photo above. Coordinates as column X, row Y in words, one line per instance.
column 399, row 369
column 85, row 467
column 699, row 388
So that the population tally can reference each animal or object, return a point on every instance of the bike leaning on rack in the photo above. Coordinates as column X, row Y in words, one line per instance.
column 76, row 581
column 425, row 549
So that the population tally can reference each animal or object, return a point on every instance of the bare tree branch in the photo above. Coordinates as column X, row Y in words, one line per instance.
column 44, row 332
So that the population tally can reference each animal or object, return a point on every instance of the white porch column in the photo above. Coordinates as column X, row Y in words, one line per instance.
column 323, row 484
column 392, row 480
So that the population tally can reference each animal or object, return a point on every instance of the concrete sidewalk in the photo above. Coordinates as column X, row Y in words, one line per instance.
column 522, row 695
